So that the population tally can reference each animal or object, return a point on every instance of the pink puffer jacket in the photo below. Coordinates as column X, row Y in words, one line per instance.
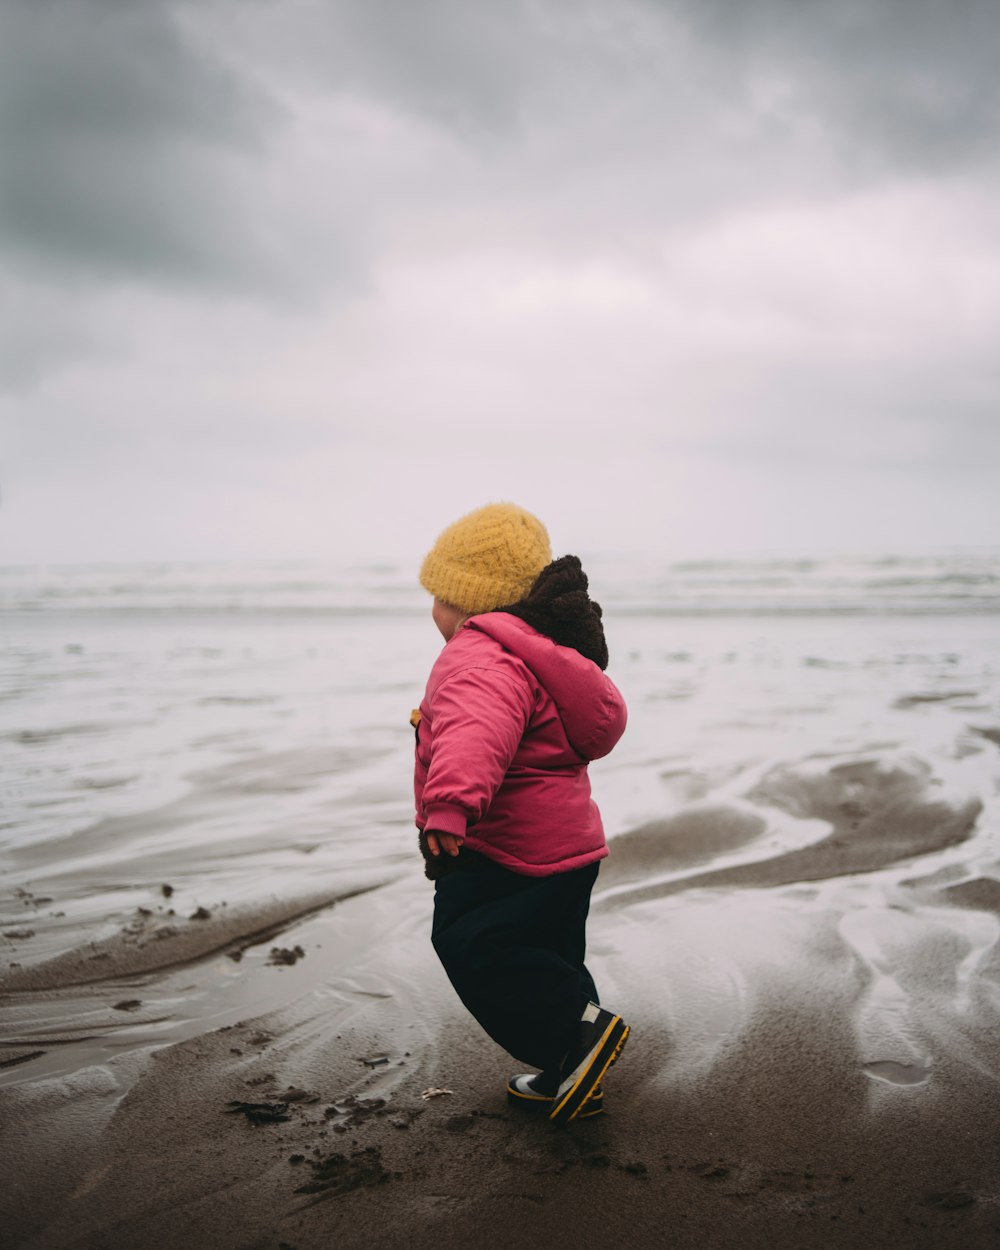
column 507, row 726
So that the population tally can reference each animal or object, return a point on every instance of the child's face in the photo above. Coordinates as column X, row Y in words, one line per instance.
column 446, row 618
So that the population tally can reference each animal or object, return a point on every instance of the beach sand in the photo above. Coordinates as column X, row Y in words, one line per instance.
column 222, row 1025
column 818, row 1070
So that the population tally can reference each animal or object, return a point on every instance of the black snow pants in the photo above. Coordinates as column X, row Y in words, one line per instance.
column 513, row 947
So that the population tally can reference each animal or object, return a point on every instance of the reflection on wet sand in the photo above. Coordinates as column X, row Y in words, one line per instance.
column 800, row 917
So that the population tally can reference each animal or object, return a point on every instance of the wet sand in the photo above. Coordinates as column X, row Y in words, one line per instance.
column 221, row 1017
column 820, row 1070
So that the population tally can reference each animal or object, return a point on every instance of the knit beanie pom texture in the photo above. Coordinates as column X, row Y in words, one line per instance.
column 487, row 559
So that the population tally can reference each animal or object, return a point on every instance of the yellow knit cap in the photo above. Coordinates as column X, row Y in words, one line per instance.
column 488, row 559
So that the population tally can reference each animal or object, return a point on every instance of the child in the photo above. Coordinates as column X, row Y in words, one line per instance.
column 516, row 705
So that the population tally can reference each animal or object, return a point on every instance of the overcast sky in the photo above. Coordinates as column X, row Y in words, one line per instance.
column 312, row 278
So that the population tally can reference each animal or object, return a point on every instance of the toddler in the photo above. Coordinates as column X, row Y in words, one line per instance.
column 516, row 706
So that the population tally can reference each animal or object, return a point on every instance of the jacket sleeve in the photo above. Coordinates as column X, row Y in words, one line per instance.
column 479, row 717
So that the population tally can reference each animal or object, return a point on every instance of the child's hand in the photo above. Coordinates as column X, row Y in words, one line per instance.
column 447, row 842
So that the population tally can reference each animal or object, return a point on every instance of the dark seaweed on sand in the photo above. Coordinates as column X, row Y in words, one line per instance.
column 259, row 1112
column 341, row 1173
column 283, row 955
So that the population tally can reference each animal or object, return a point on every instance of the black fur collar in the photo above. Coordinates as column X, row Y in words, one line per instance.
column 558, row 606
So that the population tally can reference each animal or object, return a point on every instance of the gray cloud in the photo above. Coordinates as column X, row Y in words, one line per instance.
column 173, row 141
column 908, row 84
column 39, row 330
column 318, row 252
column 127, row 147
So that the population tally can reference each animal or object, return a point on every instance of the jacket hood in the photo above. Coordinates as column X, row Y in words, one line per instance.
column 589, row 704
